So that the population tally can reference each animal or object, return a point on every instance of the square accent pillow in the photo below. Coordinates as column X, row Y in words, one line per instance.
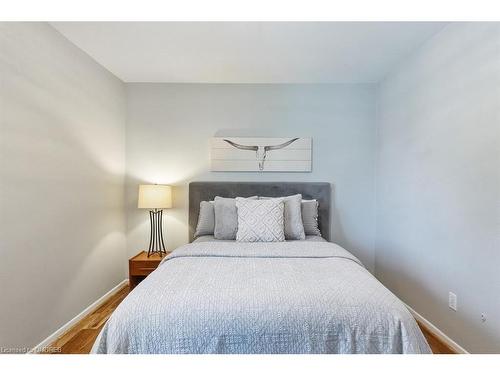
column 294, row 229
column 260, row 220
column 226, row 218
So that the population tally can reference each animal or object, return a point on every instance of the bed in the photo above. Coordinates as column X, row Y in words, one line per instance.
column 304, row 296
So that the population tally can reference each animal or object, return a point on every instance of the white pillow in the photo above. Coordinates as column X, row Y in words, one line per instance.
column 260, row 220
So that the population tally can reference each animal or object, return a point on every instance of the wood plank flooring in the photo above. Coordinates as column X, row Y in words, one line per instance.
column 437, row 346
column 80, row 338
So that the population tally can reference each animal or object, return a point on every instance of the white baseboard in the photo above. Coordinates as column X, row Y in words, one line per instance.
column 437, row 332
column 49, row 340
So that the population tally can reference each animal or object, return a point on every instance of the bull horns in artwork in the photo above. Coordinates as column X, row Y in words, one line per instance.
column 261, row 151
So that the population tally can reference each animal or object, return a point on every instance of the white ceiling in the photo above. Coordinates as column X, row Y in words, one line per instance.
column 248, row 52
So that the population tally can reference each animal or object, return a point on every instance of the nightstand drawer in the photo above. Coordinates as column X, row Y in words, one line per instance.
column 143, row 268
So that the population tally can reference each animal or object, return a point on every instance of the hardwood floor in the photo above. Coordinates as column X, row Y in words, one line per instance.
column 80, row 338
column 437, row 346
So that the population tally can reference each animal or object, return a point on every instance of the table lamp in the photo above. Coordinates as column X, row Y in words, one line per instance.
column 155, row 198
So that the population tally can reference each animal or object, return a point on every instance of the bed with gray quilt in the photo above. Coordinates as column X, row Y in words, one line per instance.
column 288, row 297
column 301, row 295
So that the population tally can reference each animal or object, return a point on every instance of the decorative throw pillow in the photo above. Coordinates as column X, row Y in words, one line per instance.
column 260, row 220
column 206, row 219
column 226, row 218
column 310, row 217
column 294, row 229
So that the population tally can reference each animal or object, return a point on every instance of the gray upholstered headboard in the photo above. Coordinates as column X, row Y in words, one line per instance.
column 206, row 191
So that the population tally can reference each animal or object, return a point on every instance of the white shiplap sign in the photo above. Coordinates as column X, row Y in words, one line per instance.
column 232, row 154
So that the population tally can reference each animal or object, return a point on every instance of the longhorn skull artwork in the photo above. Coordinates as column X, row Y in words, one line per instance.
column 261, row 151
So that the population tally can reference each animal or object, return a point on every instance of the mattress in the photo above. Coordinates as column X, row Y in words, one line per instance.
column 289, row 297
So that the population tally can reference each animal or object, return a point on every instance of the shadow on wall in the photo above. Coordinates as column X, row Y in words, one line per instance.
column 74, row 197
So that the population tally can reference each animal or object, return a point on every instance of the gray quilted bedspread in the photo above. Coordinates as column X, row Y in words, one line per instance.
column 293, row 297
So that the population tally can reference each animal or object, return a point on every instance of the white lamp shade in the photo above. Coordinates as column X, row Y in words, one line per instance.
column 155, row 196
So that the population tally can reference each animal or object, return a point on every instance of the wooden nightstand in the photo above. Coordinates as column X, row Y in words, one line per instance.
column 141, row 266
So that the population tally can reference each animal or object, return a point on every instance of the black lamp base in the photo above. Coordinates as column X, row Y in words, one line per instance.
column 156, row 245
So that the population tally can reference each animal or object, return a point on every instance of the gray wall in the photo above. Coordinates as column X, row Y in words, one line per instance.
column 168, row 132
column 438, row 183
column 62, row 129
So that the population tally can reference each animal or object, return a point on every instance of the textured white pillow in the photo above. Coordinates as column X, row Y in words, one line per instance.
column 260, row 220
